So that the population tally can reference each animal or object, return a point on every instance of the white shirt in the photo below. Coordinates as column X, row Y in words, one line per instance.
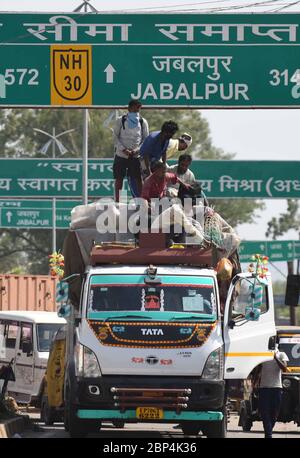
column 271, row 372
column 129, row 138
column 188, row 177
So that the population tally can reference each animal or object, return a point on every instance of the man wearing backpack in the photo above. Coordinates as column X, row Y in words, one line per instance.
column 129, row 133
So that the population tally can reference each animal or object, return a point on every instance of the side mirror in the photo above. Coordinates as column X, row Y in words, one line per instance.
column 27, row 347
column 64, row 310
column 252, row 313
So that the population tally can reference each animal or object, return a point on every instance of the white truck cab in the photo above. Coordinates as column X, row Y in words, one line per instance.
column 149, row 341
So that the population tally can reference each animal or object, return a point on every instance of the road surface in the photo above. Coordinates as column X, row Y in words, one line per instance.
column 162, row 431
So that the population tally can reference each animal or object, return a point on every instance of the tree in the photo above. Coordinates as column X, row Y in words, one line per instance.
column 286, row 221
column 278, row 227
column 18, row 139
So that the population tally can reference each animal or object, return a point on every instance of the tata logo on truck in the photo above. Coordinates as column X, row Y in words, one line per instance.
column 152, row 332
column 152, row 360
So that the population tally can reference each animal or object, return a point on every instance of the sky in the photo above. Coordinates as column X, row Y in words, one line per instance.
column 250, row 134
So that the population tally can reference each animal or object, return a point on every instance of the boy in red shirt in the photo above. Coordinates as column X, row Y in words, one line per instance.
column 156, row 184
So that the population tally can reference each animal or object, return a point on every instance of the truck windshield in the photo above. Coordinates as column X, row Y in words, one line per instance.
column 45, row 334
column 291, row 346
column 194, row 295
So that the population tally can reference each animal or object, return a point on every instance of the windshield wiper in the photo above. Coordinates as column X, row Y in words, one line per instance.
column 190, row 317
column 109, row 318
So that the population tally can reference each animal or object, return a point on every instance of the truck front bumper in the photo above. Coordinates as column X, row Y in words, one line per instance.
column 117, row 397
column 131, row 415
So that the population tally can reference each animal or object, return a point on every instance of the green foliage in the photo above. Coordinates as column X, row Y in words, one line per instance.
column 237, row 211
column 286, row 221
column 28, row 250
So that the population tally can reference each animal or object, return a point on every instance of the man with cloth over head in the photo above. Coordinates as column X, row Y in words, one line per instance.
column 130, row 131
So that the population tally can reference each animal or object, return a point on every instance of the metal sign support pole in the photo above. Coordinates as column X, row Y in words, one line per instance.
column 53, row 202
column 53, row 224
column 85, row 157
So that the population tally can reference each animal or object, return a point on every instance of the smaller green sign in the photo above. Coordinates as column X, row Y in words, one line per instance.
column 297, row 250
column 248, row 249
column 35, row 214
column 277, row 250
column 281, row 251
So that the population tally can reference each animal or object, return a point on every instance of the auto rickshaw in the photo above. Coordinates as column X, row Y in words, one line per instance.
column 289, row 342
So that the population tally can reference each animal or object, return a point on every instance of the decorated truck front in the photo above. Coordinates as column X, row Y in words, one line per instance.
column 149, row 342
column 155, row 331
column 150, row 347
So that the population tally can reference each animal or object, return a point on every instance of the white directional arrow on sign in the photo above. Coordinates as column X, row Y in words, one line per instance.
column 109, row 73
column 9, row 215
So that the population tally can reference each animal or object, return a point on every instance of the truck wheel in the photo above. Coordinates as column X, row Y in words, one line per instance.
column 47, row 414
column 81, row 428
column 76, row 427
column 118, row 423
column 190, row 428
column 214, row 429
column 245, row 422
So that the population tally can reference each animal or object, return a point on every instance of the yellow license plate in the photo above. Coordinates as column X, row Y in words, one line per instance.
column 149, row 413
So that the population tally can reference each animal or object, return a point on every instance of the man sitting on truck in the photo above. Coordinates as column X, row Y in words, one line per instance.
column 181, row 169
column 156, row 184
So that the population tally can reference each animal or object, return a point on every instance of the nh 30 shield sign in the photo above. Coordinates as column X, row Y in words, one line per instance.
column 169, row 60
column 71, row 75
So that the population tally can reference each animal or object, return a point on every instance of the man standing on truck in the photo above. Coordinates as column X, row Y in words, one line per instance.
column 268, row 380
column 155, row 146
column 130, row 131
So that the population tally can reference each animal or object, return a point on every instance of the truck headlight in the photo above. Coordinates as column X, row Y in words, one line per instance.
column 214, row 366
column 86, row 363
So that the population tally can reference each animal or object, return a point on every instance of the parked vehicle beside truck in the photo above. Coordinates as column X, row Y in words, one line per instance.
column 26, row 337
column 147, row 339
column 289, row 343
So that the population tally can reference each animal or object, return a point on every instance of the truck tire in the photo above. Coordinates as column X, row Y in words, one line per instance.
column 245, row 421
column 47, row 414
column 216, row 429
column 74, row 426
column 118, row 423
column 190, row 428
column 77, row 427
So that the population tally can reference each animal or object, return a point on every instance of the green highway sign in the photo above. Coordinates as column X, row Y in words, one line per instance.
column 297, row 249
column 281, row 250
column 276, row 250
column 62, row 178
column 248, row 249
column 34, row 214
column 169, row 60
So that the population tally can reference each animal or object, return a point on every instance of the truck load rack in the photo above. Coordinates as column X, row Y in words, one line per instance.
column 152, row 250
